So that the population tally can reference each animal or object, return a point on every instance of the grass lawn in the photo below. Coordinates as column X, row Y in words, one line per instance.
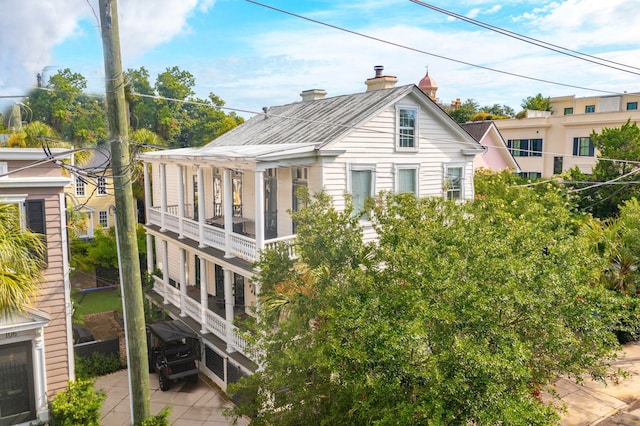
column 97, row 301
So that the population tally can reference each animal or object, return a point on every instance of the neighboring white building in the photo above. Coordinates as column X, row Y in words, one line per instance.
column 36, row 347
column 211, row 210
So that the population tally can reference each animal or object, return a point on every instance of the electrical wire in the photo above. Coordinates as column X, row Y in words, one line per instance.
column 543, row 44
column 541, row 80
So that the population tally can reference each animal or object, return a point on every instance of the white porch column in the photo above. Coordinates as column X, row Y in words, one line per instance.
column 180, row 201
column 259, row 210
column 228, row 308
column 183, row 281
column 148, row 202
column 201, row 206
column 150, row 254
column 227, row 211
column 40, row 376
column 163, row 195
column 165, row 271
column 204, row 295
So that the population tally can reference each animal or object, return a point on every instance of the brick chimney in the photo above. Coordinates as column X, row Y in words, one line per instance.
column 313, row 94
column 380, row 81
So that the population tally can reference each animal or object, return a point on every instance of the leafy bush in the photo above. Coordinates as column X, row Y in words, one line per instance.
column 79, row 404
column 161, row 419
column 97, row 364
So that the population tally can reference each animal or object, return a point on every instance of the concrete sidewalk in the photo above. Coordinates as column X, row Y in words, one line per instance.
column 191, row 404
column 612, row 404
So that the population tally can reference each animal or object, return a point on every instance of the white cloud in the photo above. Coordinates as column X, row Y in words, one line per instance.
column 147, row 24
column 31, row 29
column 473, row 13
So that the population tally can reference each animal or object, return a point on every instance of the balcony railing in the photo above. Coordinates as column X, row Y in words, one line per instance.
column 214, row 323
column 242, row 246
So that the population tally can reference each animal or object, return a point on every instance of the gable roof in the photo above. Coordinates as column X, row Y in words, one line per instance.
column 301, row 129
column 480, row 130
column 316, row 122
column 477, row 129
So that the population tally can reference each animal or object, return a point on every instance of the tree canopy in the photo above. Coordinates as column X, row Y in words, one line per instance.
column 80, row 118
column 192, row 122
column 470, row 110
column 604, row 200
column 537, row 102
column 459, row 314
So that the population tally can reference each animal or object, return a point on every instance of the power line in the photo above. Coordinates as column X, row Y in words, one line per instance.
column 543, row 44
column 352, row 127
column 541, row 80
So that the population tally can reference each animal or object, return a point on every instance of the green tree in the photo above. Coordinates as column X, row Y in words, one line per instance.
column 21, row 254
column 498, row 110
column 460, row 314
column 465, row 111
column 143, row 111
column 604, row 200
column 63, row 105
column 537, row 102
column 102, row 251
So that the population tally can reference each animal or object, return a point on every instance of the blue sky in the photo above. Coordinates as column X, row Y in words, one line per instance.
column 251, row 56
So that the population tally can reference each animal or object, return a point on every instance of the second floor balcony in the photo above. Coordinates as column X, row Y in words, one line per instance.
column 239, row 212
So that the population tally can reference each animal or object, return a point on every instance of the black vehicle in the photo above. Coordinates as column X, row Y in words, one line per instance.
column 174, row 352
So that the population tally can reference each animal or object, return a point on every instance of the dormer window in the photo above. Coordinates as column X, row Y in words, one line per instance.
column 407, row 128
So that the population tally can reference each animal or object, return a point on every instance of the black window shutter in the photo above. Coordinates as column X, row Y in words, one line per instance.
column 591, row 150
column 36, row 216
column 36, row 220
column 575, row 146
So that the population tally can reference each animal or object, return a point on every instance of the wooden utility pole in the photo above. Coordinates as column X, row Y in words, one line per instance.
column 125, row 217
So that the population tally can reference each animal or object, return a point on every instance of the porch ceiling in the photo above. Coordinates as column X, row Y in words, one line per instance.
column 238, row 154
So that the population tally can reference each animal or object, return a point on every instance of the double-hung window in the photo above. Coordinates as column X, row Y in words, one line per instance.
column 453, row 179
column 583, row 147
column 102, row 185
column 407, row 179
column 103, row 218
column 80, row 187
column 362, row 187
column 407, row 128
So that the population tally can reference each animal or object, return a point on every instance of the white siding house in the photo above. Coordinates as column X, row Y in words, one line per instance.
column 211, row 210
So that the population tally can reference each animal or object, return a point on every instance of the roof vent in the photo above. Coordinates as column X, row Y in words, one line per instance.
column 313, row 94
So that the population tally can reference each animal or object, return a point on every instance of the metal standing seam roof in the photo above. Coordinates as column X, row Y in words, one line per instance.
column 299, row 127
column 316, row 122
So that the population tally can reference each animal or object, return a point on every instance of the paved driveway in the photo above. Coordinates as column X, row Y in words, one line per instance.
column 191, row 404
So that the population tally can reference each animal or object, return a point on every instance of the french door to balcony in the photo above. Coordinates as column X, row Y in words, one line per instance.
column 270, row 204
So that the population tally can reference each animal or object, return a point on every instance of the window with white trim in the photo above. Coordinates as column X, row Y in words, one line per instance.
column 103, row 218
column 407, row 128
column 407, row 179
column 362, row 180
column 80, row 187
column 453, row 179
column 101, row 185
